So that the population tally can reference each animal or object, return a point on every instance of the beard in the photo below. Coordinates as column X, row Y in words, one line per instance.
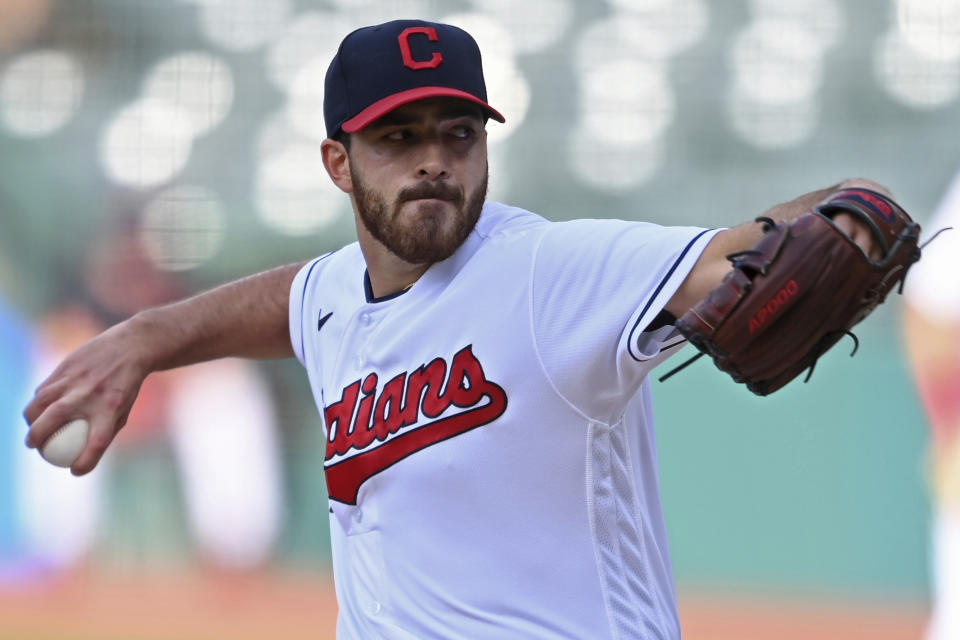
column 427, row 235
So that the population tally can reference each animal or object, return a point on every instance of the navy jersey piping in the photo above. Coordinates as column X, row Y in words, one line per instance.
column 368, row 290
column 303, row 299
column 659, row 288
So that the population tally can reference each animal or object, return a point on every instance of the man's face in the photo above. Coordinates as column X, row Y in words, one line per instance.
column 420, row 177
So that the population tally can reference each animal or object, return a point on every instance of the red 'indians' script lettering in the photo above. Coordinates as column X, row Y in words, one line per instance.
column 361, row 416
column 774, row 304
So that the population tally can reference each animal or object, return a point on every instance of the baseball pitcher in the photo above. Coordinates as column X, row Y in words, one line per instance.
column 482, row 373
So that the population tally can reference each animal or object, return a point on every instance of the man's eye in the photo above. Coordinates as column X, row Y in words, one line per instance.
column 399, row 134
column 462, row 132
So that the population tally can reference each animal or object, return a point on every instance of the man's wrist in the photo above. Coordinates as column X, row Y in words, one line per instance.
column 151, row 339
column 863, row 183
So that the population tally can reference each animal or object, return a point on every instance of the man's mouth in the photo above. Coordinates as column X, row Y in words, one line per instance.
column 445, row 194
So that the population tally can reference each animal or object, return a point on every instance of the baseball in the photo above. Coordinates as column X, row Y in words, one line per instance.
column 66, row 443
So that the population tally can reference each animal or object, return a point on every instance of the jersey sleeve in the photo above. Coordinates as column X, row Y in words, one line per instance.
column 931, row 284
column 299, row 293
column 597, row 285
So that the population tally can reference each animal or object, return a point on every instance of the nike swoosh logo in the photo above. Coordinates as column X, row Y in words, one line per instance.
column 323, row 319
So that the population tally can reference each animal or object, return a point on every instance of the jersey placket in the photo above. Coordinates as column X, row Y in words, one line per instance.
column 353, row 363
column 363, row 517
column 365, row 323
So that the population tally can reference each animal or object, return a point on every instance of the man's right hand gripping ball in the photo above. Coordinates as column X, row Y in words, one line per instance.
column 801, row 288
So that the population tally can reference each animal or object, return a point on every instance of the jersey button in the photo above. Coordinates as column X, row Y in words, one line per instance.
column 374, row 608
column 366, row 320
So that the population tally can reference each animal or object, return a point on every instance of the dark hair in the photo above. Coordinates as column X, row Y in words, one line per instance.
column 343, row 138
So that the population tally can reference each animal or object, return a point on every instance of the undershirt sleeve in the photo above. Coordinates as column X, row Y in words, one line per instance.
column 597, row 286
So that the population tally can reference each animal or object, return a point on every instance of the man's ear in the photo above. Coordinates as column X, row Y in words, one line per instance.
column 337, row 163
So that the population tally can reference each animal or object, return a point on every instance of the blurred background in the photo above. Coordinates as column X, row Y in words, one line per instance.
column 154, row 148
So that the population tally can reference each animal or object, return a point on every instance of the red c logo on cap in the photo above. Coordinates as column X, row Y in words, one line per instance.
column 408, row 60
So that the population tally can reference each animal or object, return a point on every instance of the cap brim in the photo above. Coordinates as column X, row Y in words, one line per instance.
column 384, row 106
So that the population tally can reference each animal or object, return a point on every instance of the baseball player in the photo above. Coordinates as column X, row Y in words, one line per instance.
column 481, row 372
column 932, row 337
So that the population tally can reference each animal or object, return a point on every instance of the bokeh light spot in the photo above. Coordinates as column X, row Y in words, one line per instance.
column 197, row 83
column 40, row 92
column 182, row 228
column 913, row 79
column 626, row 102
column 310, row 35
column 294, row 194
column 931, row 27
column 776, row 62
column 305, row 104
column 821, row 18
column 146, row 143
column 679, row 24
column 535, row 26
column 243, row 25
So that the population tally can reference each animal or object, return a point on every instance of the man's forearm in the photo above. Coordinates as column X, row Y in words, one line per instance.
column 749, row 233
column 100, row 380
column 713, row 265
column 244, row 318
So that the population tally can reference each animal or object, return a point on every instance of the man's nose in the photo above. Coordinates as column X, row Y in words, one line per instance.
column 433, row 160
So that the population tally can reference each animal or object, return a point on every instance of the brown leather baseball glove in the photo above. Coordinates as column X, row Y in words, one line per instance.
column 801, row 289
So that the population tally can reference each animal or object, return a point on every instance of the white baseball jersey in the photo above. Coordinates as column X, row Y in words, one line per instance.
column 490, row 460
column 931, row 284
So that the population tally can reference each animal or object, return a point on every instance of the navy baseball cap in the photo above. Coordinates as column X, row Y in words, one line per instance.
column 379, row 68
